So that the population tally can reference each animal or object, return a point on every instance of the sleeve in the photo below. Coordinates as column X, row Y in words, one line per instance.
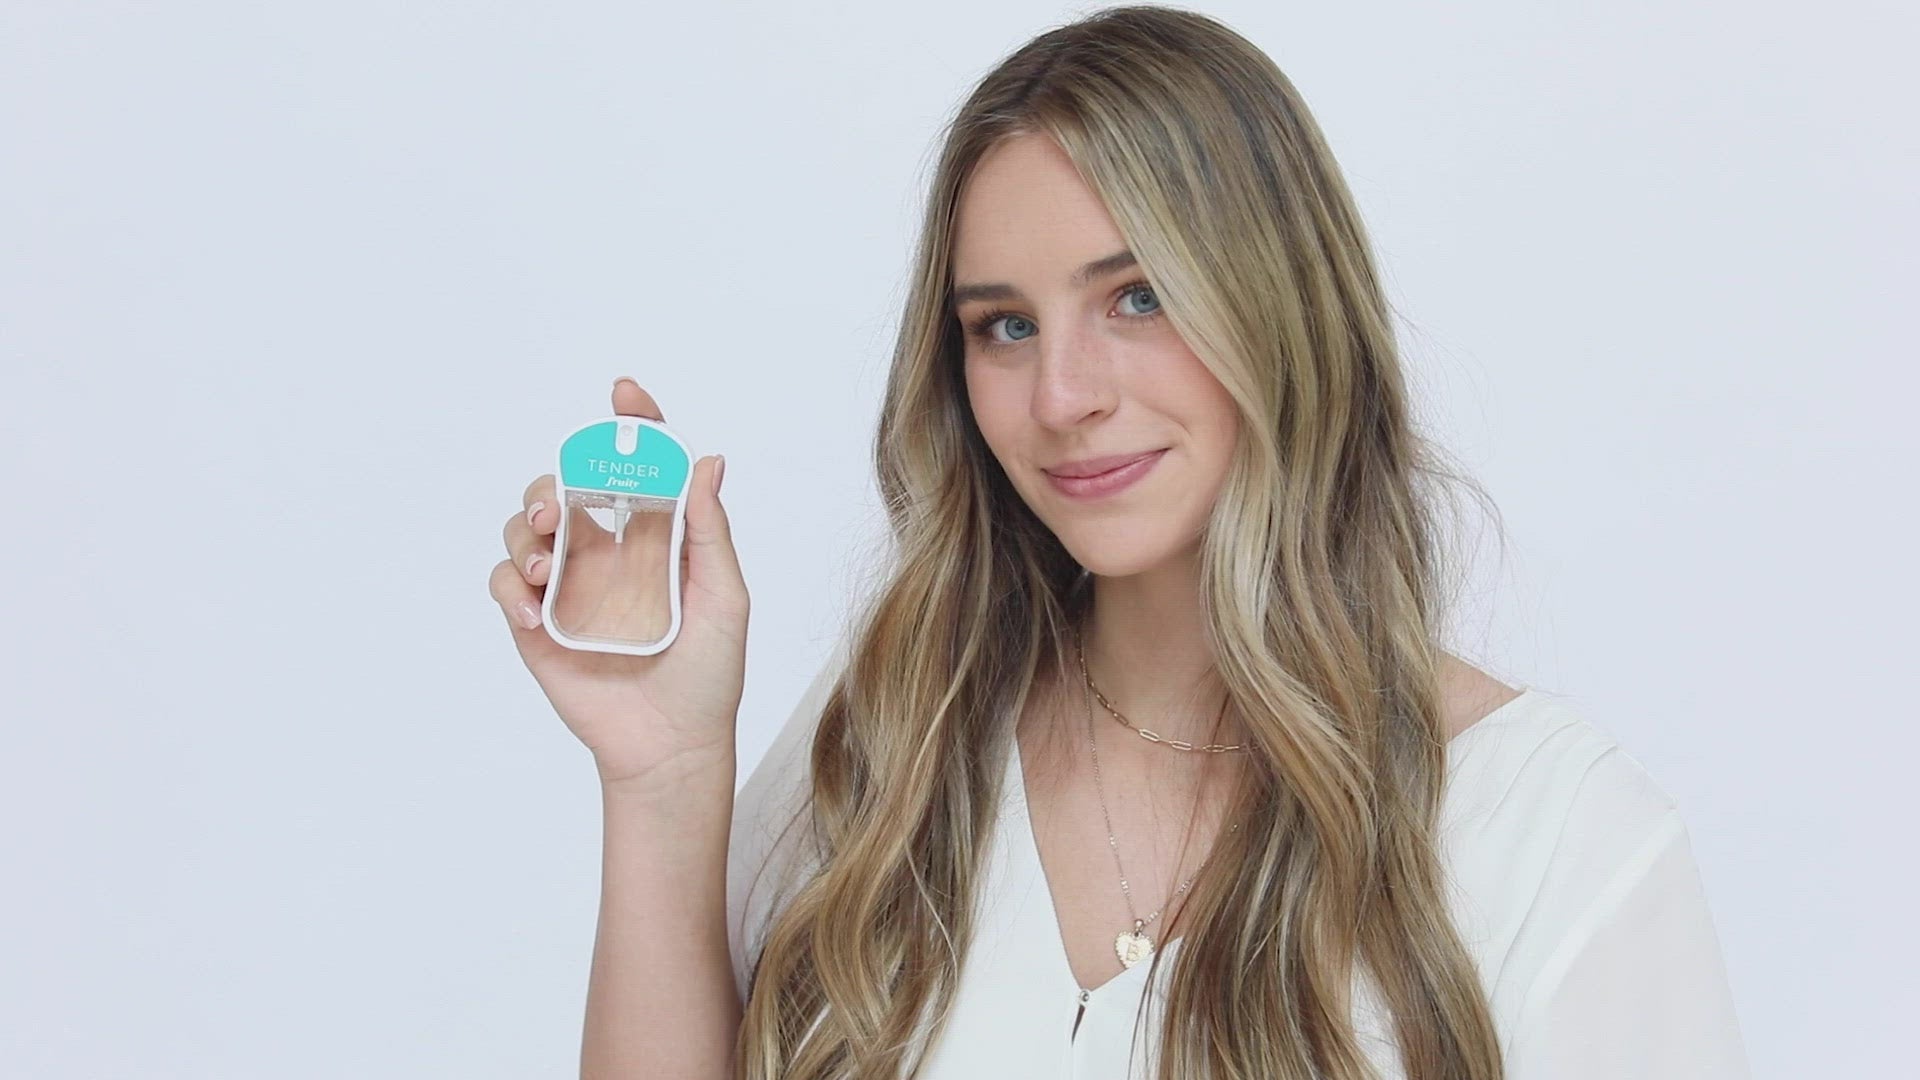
column 1638, row 987
column 769, row 853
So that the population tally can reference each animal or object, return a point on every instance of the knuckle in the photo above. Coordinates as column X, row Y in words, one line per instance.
column 505, row 584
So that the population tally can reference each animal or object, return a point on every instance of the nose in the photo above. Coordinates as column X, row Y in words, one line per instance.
column 1075, row 380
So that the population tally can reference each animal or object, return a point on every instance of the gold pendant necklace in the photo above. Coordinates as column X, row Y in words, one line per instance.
column 1131, row 946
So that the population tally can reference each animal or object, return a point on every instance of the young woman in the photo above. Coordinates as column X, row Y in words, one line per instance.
column 1144, row 760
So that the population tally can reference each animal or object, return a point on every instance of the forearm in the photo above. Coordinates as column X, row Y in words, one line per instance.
column 661, row 1000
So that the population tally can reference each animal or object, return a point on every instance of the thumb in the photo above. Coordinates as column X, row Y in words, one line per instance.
column 712, row 564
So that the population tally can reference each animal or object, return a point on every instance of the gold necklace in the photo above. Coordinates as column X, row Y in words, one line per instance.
column 1177, row 744
column 1131, row 946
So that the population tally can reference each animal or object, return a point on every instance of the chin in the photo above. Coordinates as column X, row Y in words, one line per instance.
column 1117, row 551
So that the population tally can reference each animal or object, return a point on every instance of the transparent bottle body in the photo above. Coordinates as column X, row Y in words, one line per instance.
column 614, row 570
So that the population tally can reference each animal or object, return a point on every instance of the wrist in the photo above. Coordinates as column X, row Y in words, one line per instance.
column 687, row 773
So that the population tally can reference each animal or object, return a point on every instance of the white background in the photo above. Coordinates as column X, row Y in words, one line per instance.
column 296, row 299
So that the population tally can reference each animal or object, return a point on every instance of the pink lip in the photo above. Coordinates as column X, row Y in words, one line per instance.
column 1120, row 473
column 1097, row 465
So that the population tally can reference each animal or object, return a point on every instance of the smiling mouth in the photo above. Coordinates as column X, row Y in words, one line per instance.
column 1115, row 465
column 1108, row 481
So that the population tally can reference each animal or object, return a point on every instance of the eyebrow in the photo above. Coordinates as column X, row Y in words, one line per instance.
column 1000, row 290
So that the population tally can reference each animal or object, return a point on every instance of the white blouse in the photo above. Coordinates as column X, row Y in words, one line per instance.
column 1574, row 887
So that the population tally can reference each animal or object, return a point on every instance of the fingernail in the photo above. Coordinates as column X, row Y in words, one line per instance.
column 625, row 379
column 529, row 615
column 534, row 509
column 533, row 562
column 719, row 471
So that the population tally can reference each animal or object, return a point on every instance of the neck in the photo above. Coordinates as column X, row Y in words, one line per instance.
column 1147, row 653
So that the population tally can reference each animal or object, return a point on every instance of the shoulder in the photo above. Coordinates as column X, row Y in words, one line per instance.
column 780, row 779
column 1573, row 883
column 1546, row 821
column 769, row 845
column 1467, row 694
column 777, row 787
column 1537, row 759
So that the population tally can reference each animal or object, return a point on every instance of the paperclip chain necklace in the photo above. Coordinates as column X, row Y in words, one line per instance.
column 1150, row 736
column 1131, row 946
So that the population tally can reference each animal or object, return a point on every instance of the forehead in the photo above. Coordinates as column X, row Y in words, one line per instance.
column 1025, row 215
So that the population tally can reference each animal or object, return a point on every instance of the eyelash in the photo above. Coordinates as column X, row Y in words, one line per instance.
column 977, row 328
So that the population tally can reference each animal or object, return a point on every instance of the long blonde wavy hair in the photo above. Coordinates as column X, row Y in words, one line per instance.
column 1321, row 592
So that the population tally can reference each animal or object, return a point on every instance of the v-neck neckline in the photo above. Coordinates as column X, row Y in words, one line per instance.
column 1028, row 845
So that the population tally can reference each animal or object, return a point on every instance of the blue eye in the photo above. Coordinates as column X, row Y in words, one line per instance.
column 981, row 326
column 1143, row 290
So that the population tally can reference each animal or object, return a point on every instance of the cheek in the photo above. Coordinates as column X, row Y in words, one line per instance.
column 1213, row 422
column 998, row 408
column 1223, row 422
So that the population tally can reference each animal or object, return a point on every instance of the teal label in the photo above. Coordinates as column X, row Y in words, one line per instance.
column 590, row 460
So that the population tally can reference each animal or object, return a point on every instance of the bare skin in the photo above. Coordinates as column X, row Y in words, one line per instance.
column 1166, row 807
column 661, row 999
column 1060, row 367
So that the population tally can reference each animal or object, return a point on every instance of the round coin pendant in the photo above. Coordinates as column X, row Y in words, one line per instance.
column 1132, row 947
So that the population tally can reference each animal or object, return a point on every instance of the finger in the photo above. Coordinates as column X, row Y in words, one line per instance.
column 712, row 563
column 528, row 550
column 517, row 600
column 537, row 503
column 630, row 400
